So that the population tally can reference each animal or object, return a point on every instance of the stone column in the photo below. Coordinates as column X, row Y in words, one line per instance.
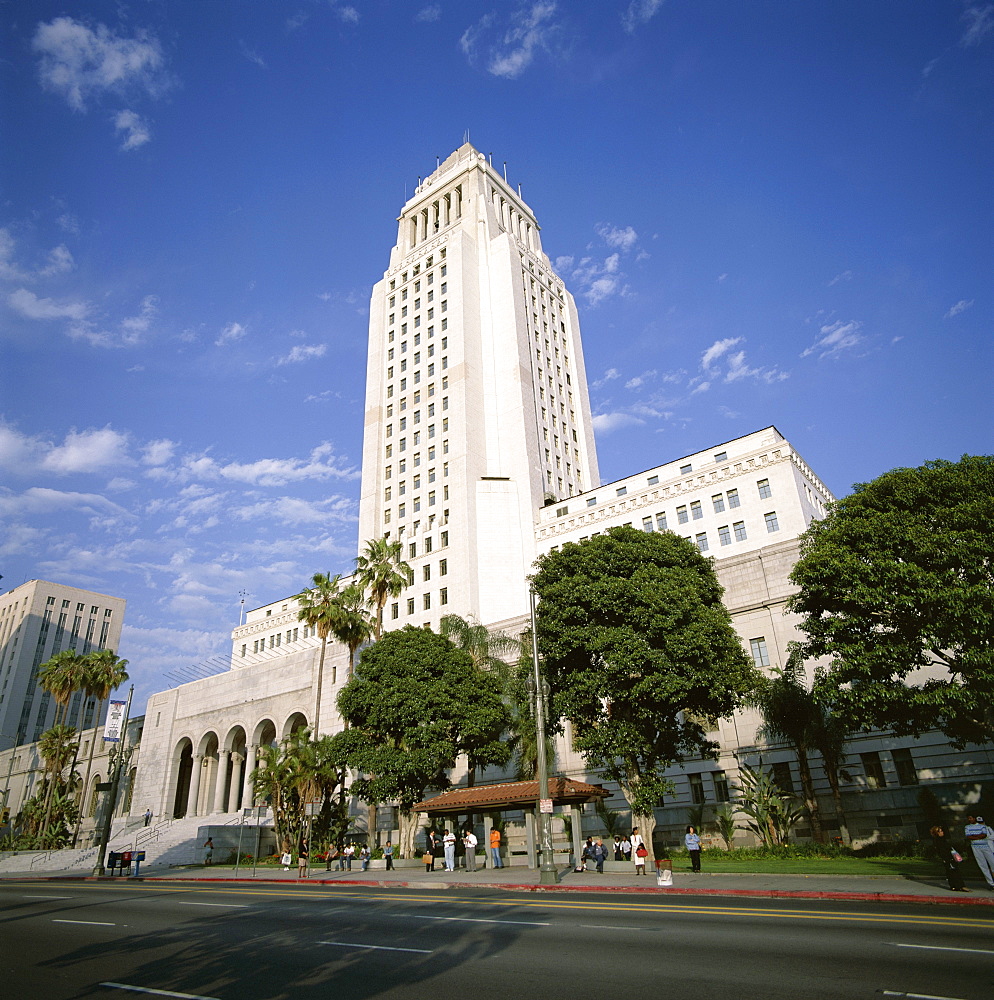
column 222, row 777
column 251, row 758
column 488, row 825
column 193, row 797
column 235, row 788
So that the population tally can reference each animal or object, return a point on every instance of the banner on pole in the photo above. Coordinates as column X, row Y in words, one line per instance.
column 115, row 719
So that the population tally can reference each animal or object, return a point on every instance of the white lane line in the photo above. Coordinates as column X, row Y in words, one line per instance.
column 611, row 927
column 482, row 920
column 939, row 947
column 915, row 996
column 92, row 923
column 183, row 902
column 374, row 947
column 158, row 993
column 26, row 896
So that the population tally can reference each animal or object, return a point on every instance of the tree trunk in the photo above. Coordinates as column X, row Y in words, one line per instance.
column 645, row 822
column 833, row 781
column 409, row 822
column 319, row 685
column 86, row 780
column 810, row 799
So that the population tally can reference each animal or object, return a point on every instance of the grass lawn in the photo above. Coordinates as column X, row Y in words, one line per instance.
column 866, row 867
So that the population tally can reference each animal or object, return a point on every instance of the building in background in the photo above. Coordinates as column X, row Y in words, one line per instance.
column 38, row 620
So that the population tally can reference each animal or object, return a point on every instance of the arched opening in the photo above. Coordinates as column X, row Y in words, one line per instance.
column 94, row 797
column 296, row 721
column 238, row 769
column 207, row 798
column 183, row 769
column 129, row 792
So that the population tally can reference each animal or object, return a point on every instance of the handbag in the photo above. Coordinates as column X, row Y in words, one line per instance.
column 427, row 859
column 286, row 859
column 641, row 851
column 957, row 857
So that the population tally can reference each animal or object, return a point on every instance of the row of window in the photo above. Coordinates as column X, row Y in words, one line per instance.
column 416, row 270
column 694, row 510
column 726, row 532
column 411, row 603
column 431, row 499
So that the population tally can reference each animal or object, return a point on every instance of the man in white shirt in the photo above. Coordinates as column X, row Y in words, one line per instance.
column 469, row 842
column 977, row 833
column 449, row 847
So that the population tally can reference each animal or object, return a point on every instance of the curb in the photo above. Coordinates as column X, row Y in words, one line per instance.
column 873, row 897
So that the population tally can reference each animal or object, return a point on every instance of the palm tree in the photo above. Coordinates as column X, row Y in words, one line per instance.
column 791, row 714
column 61, row 676
column 319, row 607
column 56, row 747
column 103, row 671
column 353, row 626
column 382, row 574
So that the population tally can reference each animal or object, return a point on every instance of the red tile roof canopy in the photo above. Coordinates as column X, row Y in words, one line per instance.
column 513, row 795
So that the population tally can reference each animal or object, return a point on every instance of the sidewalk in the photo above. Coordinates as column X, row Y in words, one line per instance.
column 894, row 888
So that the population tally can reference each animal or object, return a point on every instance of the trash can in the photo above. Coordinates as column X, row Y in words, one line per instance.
column 664, row 872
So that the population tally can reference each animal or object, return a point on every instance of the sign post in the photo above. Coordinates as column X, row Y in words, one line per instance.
column 114, row 730
column 548, row 875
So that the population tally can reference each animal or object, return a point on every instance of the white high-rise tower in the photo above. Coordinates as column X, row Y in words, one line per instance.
column 477, row 411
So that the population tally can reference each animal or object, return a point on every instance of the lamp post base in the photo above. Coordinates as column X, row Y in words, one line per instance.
column 99, row 870
column 548, row 876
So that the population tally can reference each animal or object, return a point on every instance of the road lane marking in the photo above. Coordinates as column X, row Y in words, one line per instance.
column 158, row 993
column 25, row 896
column 939, row 947
column 480, row 920
column 190, row 902
column 92, row 923
column 611, row 927
column 374, row 947
column 915, row 996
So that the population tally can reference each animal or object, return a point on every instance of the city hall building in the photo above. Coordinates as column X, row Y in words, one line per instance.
column 479, row 456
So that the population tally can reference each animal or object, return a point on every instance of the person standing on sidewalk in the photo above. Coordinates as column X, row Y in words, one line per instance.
column 148, row 816
column 495, row 848
column 432, row 845
column 693, row 843
column 449, row 847
column 977, row 833
column 302, row 860
column 469, row 841
column 639, row 851
column 209, row 851
column 949, row 858
column 388, row 854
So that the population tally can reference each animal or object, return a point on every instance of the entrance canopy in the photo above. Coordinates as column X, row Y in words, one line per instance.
column 511, row 795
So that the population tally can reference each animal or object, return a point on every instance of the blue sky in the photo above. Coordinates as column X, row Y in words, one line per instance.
column 768, row 213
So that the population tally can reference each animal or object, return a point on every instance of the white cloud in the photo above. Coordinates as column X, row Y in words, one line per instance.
column 979, row 23
column 135, row 129
column 639, row 12
column 844, row 276
column 252, row 55
column 296, row 512
column 735, row 365
column 134, row 328
column 231, row 333
column 640, row 380
column 521, row 41
column 430, row 13
column 38, row 501
column 605, row 423
column 960, row 306
column 303, row 352
column 31, row 307
column 835, row 338
column 81, row 63
column 620, row 239
column 609, row 376
column 348, row 14
column 716, row 350
column 88, row 451
column 158, row 452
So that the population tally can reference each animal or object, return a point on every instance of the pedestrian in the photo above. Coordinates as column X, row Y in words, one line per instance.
column 949, row 858
column 330, row 856
column 587, row 854
column 302, row 860
column 388, row 854
column 495, row 848
column 364, row 856
column 449, row 847
column 209, row 851
column 341, row 857
column 432, row 847
column 600, row 855
column 639, row 851
column 626, row 849
column 469, row 842
column 618, row 855
column 978, row 833
column 148, row 816
column 693, row 843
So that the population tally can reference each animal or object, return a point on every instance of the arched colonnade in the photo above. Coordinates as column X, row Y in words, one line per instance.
column 212, row 774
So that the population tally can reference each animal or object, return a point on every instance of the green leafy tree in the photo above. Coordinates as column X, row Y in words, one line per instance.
column 638, row 649
column 896, row 587
column 414, row 705
column 771, row 814
column 724, row 819
column 319, row 607
column 382, row 574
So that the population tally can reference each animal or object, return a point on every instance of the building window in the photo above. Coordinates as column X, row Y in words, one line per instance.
column 760, row 654
column 720, row 780
column 620, row 491
column 764, row 489
column 695, row 510
column 719, row 503
column 724, row 535
column 771, row 521
column 733, row 498
column 686, row 470
column 412, row 550
column 591, row 501
column 722, row 456
column 443, row 596
column 653, row 480
column 681, row 515
column 874, row 770
column 410, row 605
column 905, row 765
column 739, row 528
column 782, row 777
column 395, row 610
column 660, row 521
column 696, row 789
column 647, row 524
column 427, row 602
column 702, row 541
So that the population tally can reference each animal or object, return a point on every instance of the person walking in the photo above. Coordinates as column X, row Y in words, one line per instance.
column 388, row 855
column 693, row 843
column 639, row 851
column 979, row 834
column 469, row 842
column 949, row 858
column 449, row 847
column 495, row 848
column 302, row 860
column 209, row 851
column 148, row 816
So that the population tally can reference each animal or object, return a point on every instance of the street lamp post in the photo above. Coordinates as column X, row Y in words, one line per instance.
column 548, row 875
column 118, row 757
column 14, row 743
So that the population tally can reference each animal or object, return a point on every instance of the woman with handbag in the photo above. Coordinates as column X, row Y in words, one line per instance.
column 639, row 851
column 949, row 857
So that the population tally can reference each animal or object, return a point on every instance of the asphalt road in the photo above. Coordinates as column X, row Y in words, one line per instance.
column 66, row 940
